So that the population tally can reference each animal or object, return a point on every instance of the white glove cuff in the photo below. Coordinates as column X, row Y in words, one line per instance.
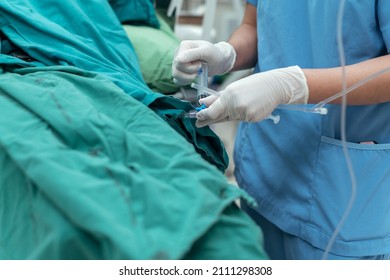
column 298, row 85
column 230, row 57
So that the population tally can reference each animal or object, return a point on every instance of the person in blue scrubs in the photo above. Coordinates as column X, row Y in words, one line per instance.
column 321, row 182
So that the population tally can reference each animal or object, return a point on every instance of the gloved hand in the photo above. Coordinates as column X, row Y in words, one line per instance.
column 220, row 58
column 254, row 98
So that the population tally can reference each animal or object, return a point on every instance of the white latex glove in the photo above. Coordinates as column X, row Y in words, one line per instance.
column 254, row 98
column 220, row 58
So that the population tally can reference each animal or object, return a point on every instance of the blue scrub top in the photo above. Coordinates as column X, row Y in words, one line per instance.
column 296, row 169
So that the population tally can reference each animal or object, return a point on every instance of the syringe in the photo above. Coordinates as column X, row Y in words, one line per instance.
column 201, row 89
column 202, row 80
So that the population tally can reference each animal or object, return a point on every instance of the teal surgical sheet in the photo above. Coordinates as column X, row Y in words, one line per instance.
column 94, row 164
column 88, row 172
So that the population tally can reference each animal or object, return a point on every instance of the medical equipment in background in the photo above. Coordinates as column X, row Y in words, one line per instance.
column 190, row 30
column 195, row 19
column 351, row 172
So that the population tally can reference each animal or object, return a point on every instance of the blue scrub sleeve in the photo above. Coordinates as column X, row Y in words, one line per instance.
column 383, row 11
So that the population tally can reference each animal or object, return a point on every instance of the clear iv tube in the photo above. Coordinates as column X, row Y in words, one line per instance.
column 351, row 88
column 315, row 110
column 343, row 133
column 343, row 95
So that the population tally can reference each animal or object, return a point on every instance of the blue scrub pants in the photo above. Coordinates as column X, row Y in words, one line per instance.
column 283, row 246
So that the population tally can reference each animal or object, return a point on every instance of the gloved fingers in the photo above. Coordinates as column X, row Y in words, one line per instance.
column 203, row 53
column 189, row 59
column 215, row 113
column 184, row 69
column 189, row 62
column 200, row 123
column 183, row 65
column 181, row 78
column 208, row 100
column 189, row 52
column 192, row 50
column 186, row 45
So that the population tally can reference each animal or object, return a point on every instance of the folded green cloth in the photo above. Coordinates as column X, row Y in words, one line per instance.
column 155, row 49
